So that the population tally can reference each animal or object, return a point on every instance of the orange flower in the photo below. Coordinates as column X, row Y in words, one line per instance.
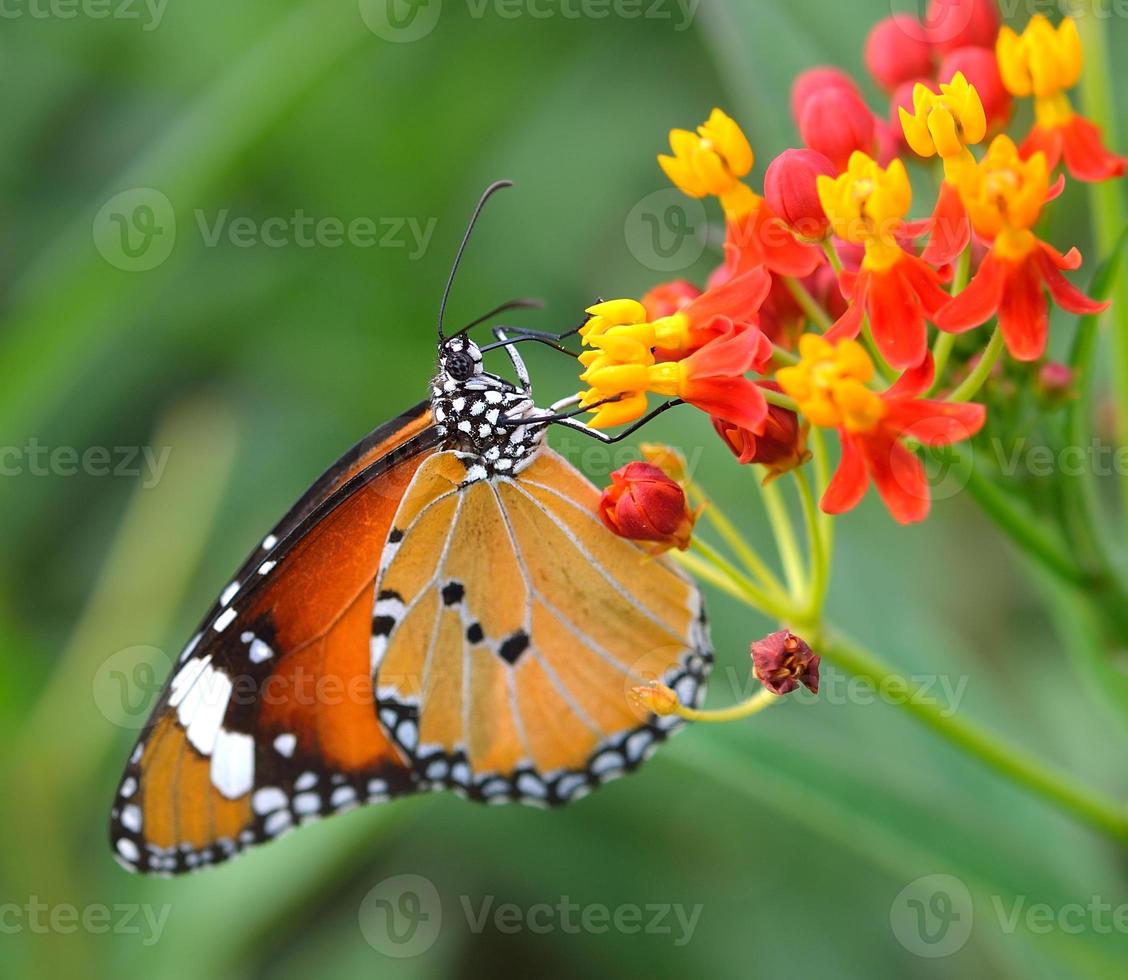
column 1045, row 63
column 831, row 386
column 1004, row 195
column 712, row 161
column 867, row 205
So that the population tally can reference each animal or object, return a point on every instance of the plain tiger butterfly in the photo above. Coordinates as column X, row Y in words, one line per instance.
column 443, row 609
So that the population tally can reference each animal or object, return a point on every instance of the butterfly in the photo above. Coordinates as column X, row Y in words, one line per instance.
column 442, row 609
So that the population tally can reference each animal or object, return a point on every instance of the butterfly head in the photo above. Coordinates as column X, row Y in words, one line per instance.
column 460, row 359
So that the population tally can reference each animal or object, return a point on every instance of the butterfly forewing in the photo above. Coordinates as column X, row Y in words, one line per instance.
column 268, row 719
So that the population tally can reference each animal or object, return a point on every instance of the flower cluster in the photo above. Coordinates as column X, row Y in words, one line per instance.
column 834, row 306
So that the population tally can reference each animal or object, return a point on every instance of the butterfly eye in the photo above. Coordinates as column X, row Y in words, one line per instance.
column 460, row 365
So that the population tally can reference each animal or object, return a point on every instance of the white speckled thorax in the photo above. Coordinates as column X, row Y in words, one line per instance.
column 469, row 406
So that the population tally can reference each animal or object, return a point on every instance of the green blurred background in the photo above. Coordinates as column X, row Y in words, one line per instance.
column 255, row 365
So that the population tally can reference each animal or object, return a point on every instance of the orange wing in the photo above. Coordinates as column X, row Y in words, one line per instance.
column 505, row 645
column 268, row 719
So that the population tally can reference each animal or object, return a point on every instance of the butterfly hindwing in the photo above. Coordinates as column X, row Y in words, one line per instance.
column 510, row 624
column 268, row 718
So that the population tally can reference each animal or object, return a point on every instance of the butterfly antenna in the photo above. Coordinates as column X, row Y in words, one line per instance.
column 486, row 195
column 513, row 304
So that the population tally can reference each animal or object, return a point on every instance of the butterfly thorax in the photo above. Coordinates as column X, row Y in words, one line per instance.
column 475, row 412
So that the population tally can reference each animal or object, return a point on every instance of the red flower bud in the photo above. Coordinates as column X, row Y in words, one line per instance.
column 813, row 80
column 780, row 446
column 643, row 504
column 981, row 68
column 955, row 24
column 836, row 122
column 782, row 661
column 897, row 49
column 789, row 186
column 669, row 297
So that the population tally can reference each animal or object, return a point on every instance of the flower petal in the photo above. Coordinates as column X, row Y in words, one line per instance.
column 1022, row 312
column 900, row 478
column 1086, row 157
column 934, row 423
column 896, row 317
column 949, row 229
column 849, row 483
column 979, row 301
column 1065, row 294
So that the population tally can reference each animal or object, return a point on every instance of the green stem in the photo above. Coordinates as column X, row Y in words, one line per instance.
column 817, row 595
column 982, row 371
column 745, row 709
column 942, row 348
column 748, row 555
column 808, row 304
column 779, row 399
column 738, row 584
column 784, row 530
column 1107, row 207
column 1052, row 785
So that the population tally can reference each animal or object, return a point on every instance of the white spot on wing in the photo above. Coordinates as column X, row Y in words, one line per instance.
column 229, row 593
column 284, row 744
column 224, row 619
column 233, row 763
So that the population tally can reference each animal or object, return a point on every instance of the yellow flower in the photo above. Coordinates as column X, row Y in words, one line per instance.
column 710, row 161
column 944, row 124
column 867, row 205
column 1004, row 195
column 1041, row 61
column 829, row 384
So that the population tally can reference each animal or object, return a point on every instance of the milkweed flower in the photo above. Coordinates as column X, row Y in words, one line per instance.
column 711, row 162
column 831, row 386
column 644, row 504
column 705, row 356
column 1004, row 195
column 621, row 327
column 1045, row 63
column 866, row 206
column 781, row 661
column 945, row 124
column 780, row 445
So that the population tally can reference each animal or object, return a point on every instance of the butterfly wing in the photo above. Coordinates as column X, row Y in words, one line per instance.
column 268, row 718
column 510, row 624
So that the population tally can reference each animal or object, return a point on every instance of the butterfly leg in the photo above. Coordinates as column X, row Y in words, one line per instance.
column 568, row 420
column 518, row 363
